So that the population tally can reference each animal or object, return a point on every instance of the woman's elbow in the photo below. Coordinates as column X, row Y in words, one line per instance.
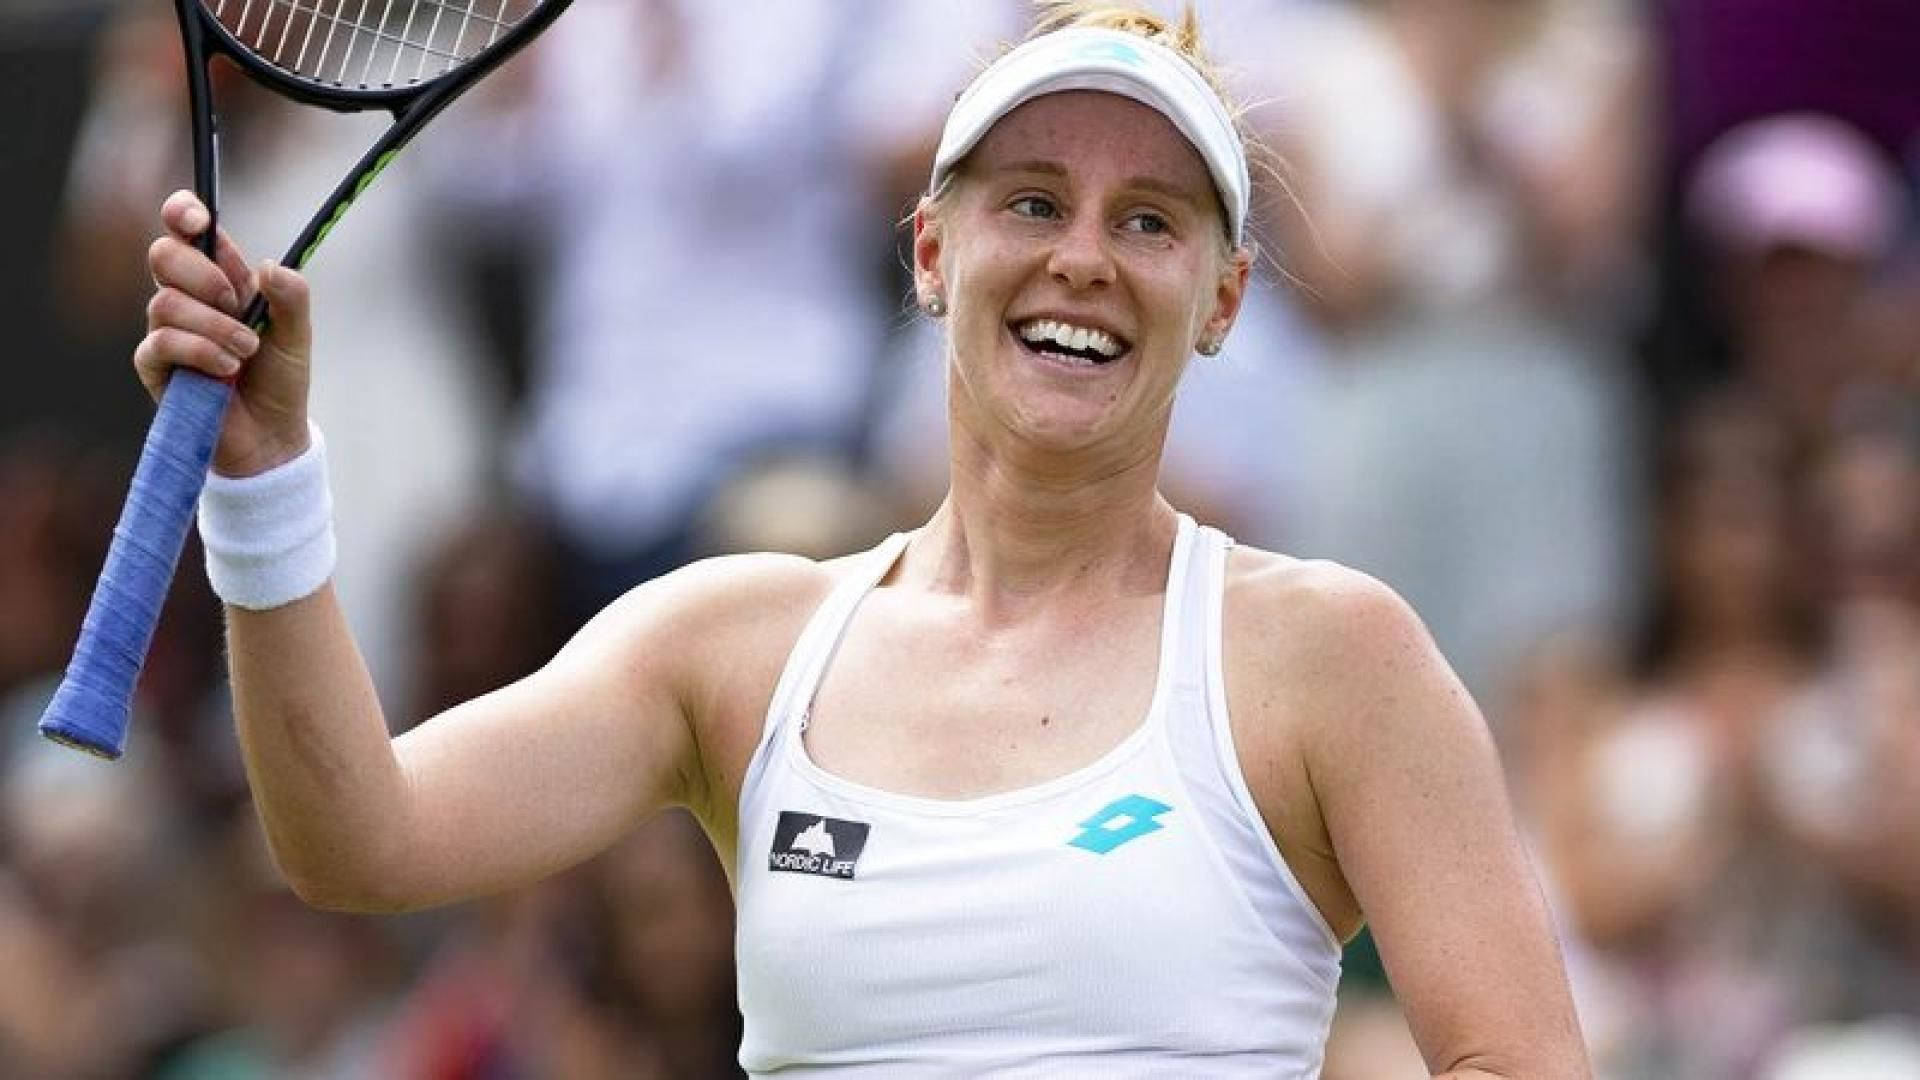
column 360, row 887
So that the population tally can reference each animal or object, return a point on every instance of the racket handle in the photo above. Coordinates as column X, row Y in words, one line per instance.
column 91, row 708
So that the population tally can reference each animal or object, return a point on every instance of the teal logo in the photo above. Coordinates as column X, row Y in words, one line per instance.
column 1112, row 50
column 1119, row 821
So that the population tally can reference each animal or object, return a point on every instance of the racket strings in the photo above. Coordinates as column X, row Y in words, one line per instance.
column 368, row 44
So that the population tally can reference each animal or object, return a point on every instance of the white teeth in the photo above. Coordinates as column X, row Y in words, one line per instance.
column 1079, row 338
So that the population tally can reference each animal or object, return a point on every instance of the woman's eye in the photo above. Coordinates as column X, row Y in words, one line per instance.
column 1148, row 222
column 1033, row 206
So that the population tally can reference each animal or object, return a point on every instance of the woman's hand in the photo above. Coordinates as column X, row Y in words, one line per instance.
column 193, row 321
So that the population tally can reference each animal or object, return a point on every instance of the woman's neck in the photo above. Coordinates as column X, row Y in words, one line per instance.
column 1019, row 526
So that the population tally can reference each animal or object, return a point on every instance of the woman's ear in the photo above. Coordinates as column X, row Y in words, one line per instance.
column 928, row 242
column 1230, row 291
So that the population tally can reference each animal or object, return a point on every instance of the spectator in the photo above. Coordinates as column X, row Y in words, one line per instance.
column 1798, row 213
column 697, row 214
column 1472, row 445
column 1650, row 813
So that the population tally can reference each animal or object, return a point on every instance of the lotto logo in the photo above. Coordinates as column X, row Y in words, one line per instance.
column 1121, row 820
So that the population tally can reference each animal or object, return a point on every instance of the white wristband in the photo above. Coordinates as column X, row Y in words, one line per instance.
column 269, row 537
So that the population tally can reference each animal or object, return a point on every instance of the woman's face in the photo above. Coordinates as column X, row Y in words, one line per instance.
column 1082, row 257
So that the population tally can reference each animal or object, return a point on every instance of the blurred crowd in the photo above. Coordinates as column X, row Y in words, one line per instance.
column 1592, row 326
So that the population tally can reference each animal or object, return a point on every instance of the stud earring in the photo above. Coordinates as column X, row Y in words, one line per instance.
column 1209, row 346
column 935, row 306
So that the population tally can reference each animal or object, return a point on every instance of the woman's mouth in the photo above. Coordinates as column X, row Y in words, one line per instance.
column 1068, row 343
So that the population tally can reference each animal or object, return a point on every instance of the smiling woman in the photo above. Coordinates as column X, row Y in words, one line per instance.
column 1059, row 783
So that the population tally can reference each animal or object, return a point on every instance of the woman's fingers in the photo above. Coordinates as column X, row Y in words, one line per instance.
column 184, row 214
column 185, row 332
column 167, row 348
column 173, row 309
column 291, row 329
column 195, row 319
column 186, row 218
column 177, row 264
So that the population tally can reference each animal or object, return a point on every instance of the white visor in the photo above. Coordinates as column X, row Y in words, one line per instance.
column 1114, row 62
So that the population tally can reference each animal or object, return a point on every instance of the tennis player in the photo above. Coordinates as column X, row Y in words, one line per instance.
column 1059, row 784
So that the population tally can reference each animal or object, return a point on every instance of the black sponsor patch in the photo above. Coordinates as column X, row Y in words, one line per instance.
column 812, row 844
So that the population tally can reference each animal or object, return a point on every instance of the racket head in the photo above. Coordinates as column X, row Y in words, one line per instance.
column 351, row 55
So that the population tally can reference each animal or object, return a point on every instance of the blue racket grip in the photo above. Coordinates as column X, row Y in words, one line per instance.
column 91, row 708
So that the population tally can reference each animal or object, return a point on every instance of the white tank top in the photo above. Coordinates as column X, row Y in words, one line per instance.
column 1130, row 919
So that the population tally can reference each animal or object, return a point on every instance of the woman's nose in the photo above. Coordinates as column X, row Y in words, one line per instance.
column 1080, row 258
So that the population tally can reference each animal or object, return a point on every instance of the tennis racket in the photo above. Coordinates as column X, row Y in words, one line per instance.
column 409, row 57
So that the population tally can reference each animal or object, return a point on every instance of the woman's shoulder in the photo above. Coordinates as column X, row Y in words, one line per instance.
column 743, row 593
column 1315, row 626
column 1311, row 594
column 718, row 632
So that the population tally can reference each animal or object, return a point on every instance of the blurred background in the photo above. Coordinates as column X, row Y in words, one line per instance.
column 1592, row 326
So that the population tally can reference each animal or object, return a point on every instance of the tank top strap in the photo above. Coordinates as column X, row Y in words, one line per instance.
column 807, row 662
column 1200, row 736
column 1190, row 615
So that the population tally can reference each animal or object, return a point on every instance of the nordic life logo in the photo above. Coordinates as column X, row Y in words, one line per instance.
column 1121, row 820
column 814, row 844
